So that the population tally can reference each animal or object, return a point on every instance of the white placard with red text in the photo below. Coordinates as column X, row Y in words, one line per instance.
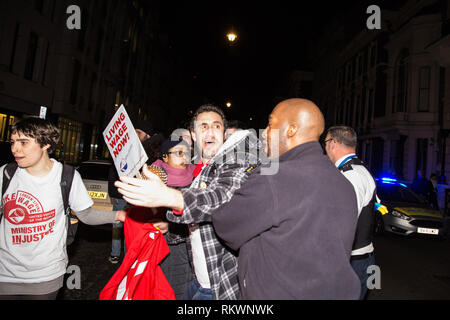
column 124, row 145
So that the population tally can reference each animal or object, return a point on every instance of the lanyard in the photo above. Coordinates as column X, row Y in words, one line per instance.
column 345, row 160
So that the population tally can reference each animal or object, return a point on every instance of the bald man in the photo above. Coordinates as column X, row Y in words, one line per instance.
column 294, row 229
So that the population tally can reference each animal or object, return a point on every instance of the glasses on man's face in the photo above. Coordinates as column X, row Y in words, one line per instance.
column 325, row 142
column 179, row 153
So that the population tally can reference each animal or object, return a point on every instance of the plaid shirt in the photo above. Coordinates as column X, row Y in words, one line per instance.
column 215, row 186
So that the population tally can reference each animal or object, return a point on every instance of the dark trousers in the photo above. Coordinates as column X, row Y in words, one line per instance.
column 177, row 269
column 360, row 265
column 49, row 296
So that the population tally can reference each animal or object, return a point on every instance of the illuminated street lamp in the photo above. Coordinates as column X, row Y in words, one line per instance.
column 228, row 104
column 232, row 37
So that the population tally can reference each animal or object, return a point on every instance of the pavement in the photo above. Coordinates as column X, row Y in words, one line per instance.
column 90, row 252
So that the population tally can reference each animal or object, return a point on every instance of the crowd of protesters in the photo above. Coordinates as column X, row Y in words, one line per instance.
column 286, row 216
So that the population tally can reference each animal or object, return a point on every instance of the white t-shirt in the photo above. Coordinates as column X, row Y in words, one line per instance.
column 364, row 186
column 33, row 227
column 198, row 253
column 198, row 257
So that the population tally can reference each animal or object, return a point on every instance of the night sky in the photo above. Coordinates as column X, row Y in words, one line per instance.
column 274, row 39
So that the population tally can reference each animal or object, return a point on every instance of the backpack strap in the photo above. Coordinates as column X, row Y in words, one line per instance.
column 8, row 173
column 66, row 185
column 72, row 220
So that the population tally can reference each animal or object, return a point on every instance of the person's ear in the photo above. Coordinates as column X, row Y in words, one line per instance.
column 194, row 138
column 165, row 158
column 292, row 130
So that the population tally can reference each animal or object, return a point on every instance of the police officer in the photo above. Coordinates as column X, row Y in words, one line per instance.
column 340, row 146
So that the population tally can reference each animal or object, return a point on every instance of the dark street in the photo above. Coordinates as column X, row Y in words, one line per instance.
column 90, row 252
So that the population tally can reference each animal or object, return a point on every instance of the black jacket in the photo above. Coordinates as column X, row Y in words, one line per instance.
column 294, row 229
column 113, row 177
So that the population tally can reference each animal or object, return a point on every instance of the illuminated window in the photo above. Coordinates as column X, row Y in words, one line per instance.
column 5, row 123
column 69, row 147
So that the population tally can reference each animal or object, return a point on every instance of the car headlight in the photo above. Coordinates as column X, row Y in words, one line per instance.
column 400, row 215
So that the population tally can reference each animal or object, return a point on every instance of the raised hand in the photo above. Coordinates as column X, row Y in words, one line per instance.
column 149, row 193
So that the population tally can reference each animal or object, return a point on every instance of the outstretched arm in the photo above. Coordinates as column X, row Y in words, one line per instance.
column 150, row 193
column 95, row 217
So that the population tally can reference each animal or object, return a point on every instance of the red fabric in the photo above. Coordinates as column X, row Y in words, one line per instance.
column 196, row 172
column 140, row 277
column 197, row 169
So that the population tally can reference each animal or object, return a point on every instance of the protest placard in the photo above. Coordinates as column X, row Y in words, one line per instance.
column 124, row 145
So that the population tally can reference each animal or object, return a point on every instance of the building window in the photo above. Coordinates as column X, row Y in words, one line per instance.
column 371, row 104
column 98, row 47
column 44, row 73
column 362, row 108
column 424, row 89
column 401, row 83
column 69, row 147
column 349, row 112
column 360, row 64
column 349, row 73
column 358, row 112
column 421, row 154
column 373, row 56
column 75, row 80
column 82, row 33
column 14, row 47
column 92, row 88
column 31, row 56
column 5, row 123
column 39, row 6
column 365, row 57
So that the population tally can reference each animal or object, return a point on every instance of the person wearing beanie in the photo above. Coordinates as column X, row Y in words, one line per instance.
column 175, row 160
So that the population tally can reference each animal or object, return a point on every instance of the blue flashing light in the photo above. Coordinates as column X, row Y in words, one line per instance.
column 389, row 179
column 392, row 181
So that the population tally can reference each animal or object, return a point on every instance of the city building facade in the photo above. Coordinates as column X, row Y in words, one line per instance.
column 82, row 74
column 393, row 86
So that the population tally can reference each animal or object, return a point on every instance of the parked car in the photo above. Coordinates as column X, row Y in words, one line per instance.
column 407, row 212
column 95, row 177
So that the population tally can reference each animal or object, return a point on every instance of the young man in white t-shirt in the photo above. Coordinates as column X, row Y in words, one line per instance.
column 33, row 227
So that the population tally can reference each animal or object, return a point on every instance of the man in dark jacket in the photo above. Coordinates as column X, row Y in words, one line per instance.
column 295, row 228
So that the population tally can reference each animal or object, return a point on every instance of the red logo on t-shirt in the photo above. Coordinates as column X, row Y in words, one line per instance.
column 23, row 208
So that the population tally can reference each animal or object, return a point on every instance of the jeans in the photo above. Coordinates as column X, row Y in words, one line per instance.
column 196, row 292
column 177, row 269
column 360, row 266
column 118, row 204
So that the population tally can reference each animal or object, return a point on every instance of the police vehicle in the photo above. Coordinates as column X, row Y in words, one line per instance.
column 404, row 212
